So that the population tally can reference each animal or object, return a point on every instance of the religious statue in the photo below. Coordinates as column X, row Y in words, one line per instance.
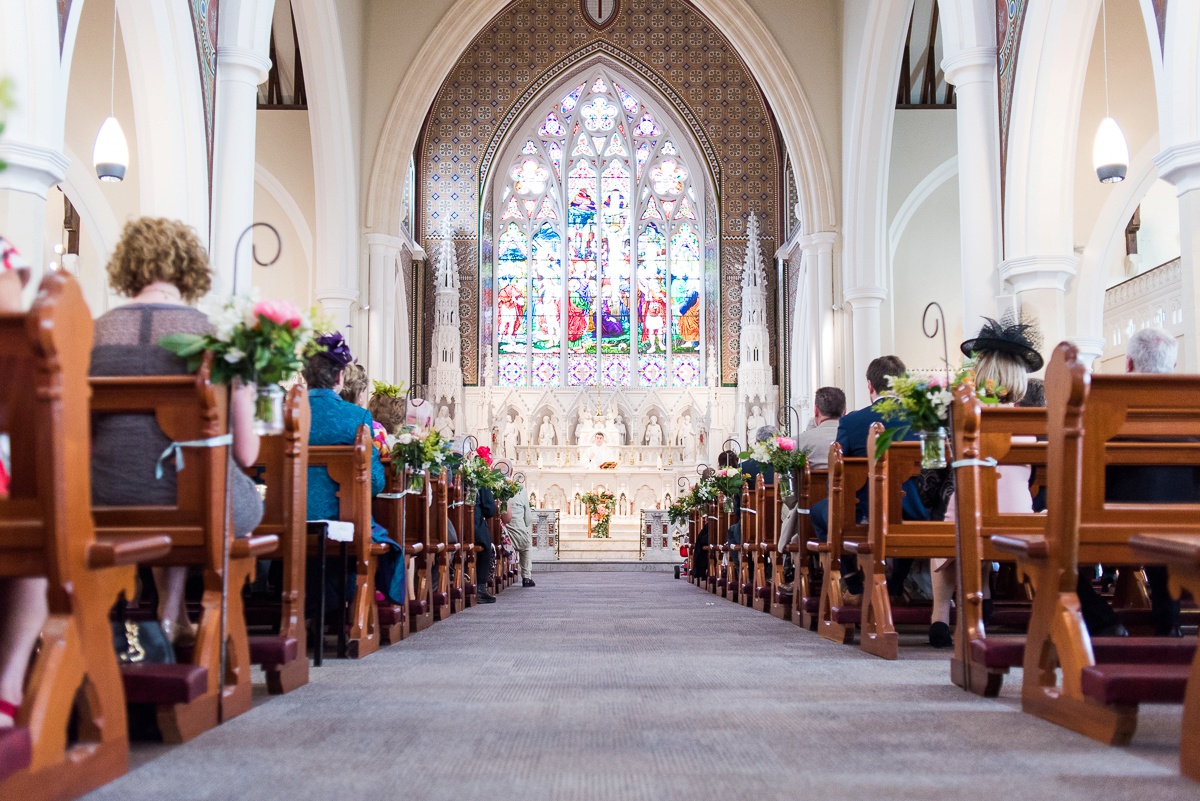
column 753, row 423
column 654, row 433
column 546, row 433
column 444, row 423
column 687, row 439
column 619, row 428
column 511, row 437
column 584, row 428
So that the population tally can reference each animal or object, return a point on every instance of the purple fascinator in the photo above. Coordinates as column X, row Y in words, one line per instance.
column 336, row 349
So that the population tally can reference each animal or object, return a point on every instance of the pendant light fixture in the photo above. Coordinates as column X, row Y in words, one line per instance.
column 110, row 156
column 1110, row 152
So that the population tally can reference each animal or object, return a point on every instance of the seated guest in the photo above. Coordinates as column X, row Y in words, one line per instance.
column 829, row 404
column 355, row 386
column 388, row 410
column 1005, row 354
column 162, row 266
column 1153, row 350
column 23, row 606
column 852, row 433
column 485, row 560
column 336, row 422
column 751, row 467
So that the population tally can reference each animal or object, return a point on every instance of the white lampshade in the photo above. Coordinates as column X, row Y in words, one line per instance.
column 1110, row 153
column 111, row 153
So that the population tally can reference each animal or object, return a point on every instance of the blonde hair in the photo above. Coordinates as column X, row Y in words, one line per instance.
column 354, row 382
column 388, row 410
column 156, row 249
column 1006, row 371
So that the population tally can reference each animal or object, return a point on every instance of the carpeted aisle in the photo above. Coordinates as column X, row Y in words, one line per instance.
column 637, row 686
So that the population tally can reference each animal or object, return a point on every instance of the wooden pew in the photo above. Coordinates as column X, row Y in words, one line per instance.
column 421, row 551
column 46, row 531
column 806, row 595
column 891, row 536
column 985, row 433
column 835, row 619
column 782, row 601
column 1159, row 418
column 390, row 511
column 1181, row 553
column 463, row 516
column 284, row 461
column 714, row 515
column 445, row 555
column 766, row 509
column 189, row 698
column 350, row 468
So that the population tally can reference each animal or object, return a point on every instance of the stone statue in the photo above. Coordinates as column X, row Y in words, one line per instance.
column 511, row 435
column 620, row 430
column 444, row 423
column 654, row 433
column 754, row 422
column 584, row 428
column 546, row 433
column 687, row 439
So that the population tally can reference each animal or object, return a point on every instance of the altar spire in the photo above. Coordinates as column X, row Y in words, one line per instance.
column 445, row 373
column 754, row 385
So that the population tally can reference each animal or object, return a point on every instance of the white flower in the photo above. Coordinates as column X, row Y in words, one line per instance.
column 234, row 356
column 405, row 438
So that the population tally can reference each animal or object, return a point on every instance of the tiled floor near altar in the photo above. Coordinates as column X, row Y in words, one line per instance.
column 637, row 686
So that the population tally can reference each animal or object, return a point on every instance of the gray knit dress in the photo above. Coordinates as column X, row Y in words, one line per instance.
column 126, row 447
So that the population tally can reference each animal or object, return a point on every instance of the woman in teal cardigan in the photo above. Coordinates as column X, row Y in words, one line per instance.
column 336, row 422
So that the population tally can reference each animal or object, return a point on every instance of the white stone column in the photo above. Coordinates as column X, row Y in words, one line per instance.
column 1180, row 164
column 1040, row 285
column 242, row 64
column 822, row 246
column 338, row 306
column 866, row 337
column 387, row 320
column 32, row 170
column 973, row 73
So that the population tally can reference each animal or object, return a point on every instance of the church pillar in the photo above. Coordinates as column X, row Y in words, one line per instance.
column 973, row 73
column 1040, row 286
column 384, row 318
column 866, row 337
column 242, row 64
column 1180, row 164
column 822, row 248
column 33, row 127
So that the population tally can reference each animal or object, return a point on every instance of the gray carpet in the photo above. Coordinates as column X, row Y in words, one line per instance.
column 637, row 686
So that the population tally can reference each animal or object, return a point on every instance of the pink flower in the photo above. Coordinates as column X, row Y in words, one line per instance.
column 785, row 443
column 484, row 453
column 279, row 312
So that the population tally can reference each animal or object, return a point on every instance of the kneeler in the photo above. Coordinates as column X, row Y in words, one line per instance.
column 46, row 531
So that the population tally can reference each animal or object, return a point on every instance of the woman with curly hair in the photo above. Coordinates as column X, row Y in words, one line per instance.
column 162, row 267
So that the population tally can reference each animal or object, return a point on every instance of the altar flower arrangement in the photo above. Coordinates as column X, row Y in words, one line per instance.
column 261, row 342
column 420, row 450
column 729, row 480
column 601, row 505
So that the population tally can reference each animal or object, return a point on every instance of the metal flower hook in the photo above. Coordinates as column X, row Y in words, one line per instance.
column 939, row 327
column 470, row 443
column 519, row 478
column 237, row 250
column 684, row 483
column 725, row 444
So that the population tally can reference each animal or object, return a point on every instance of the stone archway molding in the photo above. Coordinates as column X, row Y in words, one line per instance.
column 466, row 18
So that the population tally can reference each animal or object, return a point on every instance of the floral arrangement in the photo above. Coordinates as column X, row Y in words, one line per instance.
column 420, row 449
column 922, row 403
column 779, row 452
column 506, row 489
column 600, row 504
column 729, row 480
column 258, row 341
column 681, row 510
column 477, row 470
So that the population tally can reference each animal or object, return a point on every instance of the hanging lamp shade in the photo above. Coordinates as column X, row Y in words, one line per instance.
column 110, row 156
column 1110, row 153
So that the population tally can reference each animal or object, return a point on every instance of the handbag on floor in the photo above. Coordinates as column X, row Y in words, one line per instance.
column 141, row 640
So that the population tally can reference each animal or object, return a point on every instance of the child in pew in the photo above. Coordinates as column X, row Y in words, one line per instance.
column 161, row 265
column 336, row 422
column 23, row 607
column 1005, row 353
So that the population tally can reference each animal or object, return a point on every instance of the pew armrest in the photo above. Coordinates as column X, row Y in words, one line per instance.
column 860, row 548
column 253, row 546
column 818, row 547
column 412, row 548
column 1028, row 546
column 113, row 553
column 1179, row 549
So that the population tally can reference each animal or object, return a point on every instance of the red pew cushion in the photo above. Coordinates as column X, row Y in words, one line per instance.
column 418, row 607
column 163, row 684
column 1135, row 684
column 16, row 751
column 273, row 650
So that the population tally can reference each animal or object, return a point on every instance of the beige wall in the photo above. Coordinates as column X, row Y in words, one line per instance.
column 285, row 152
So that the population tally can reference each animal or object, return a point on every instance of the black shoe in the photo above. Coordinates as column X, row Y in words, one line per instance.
column 527, row 583
column 1115, row 630
column 484, row 597
column 939, row 635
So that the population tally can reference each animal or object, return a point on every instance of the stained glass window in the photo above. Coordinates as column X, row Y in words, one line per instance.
column 599, row 273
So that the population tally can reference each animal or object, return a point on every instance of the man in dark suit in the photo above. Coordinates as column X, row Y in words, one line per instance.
column 852, row 436
column 485, row 560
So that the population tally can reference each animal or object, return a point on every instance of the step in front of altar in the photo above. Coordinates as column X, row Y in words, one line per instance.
column 622, row 545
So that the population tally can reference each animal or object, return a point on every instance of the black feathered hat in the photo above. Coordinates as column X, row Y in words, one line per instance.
column 1020, row 339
